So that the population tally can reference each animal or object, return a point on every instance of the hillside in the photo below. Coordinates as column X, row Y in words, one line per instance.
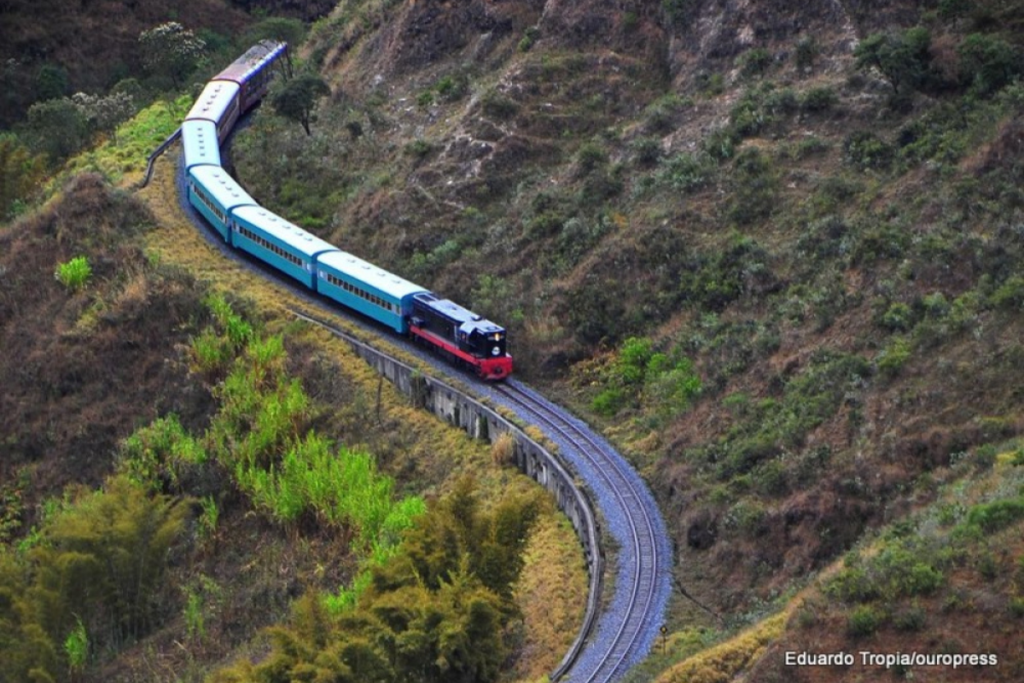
column 775, row 253
column 778, row 267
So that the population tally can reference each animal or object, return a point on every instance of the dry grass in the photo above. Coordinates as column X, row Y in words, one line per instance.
column 424, row 454
column 730, row 659
column 503, row 450
column 552, row 593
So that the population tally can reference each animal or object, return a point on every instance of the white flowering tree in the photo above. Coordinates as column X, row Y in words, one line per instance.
column 105, row 113
column 171, row 50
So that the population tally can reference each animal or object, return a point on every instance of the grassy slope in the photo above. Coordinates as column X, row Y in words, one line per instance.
column 839, row 270
column 129, row 329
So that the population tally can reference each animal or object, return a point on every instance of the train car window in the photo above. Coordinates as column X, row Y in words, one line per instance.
column 198, row 191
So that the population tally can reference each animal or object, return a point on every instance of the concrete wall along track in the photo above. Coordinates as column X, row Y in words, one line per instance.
column 482, row 422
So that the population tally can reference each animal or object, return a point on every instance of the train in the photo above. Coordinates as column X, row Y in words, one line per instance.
column 465, row 338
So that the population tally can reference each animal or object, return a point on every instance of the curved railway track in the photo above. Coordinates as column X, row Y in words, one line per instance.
column 630, row 622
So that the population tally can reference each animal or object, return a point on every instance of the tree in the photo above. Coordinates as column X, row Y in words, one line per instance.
column 901, row 57
column 57, row 128
column 296, row 98
column 989, row 63
column 19, row 172
column 104, row 558
column 105, row 114
column 291, row 31
column 171, row 50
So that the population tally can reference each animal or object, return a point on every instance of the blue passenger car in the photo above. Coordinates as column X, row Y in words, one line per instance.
column 362, row 286
column 214, row 193
column 200, row 144
column 217, row 103
column 279, row 243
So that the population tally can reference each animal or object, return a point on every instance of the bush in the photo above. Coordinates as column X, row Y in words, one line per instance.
column 865, row 150
column 754, row 62
column 679, row 12
column 499, row 106
column 988, row 63
column 646, row 151
column 892, row 359
column 530, row 37
column 903, row 58
column 863, row 621
column 806, row 51
column 589, row 158
column 74, row 274
column 818, row 99
column 685, row 171
column 608, row 402
column 898, row 318
column 997, row 515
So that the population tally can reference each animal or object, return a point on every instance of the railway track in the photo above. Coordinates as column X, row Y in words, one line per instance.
column 630, row 623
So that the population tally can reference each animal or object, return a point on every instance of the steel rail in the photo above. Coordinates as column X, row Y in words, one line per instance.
column 643, row 579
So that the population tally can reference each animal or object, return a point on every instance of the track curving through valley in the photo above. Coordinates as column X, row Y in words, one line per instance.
column 631, row 620
column 628, row 624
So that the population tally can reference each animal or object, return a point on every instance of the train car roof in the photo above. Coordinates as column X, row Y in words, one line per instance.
column 221, row 186
column 199, row 140
column 285, row 231
column 254, row 59
column 375, row 277
column 465, row 318
column 213, row 101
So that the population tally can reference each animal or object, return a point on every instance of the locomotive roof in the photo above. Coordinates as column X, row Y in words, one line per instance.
column 466, row 319
column 254, row 59
column 366, row 272
column 199, row 138
column 221, row 186
column 285, row 231
column 213, row 101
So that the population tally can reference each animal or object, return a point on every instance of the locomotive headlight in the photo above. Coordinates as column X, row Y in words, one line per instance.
column 495, row 351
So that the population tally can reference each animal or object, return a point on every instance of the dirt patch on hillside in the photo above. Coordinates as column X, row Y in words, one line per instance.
column 82, row 369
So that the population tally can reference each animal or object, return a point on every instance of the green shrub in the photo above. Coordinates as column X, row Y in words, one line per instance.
column 530, row 37
column 989, row 63
column 679, row 12
column 898, row 317
column 754, row 62
column 893, row 357
column 997, row 515
column 74, row 274
column 646, row 151
column 685, row 171
column 451, row 88
column 818, row 99
column 76, row 647
column 910, row 619
column 755, row 187
column 863, row 621
column 903, row 58
column 660, row 115
column 608, row 402
column 1010, row 294
column 419, row 148
column 498, row 105
column 589, row 158
column 805, row 53
column 865, row 150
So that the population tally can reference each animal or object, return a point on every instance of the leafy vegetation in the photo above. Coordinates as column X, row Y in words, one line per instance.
column 74, row 273
column 435, row 611
column 296, row 98
column 91, row 578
